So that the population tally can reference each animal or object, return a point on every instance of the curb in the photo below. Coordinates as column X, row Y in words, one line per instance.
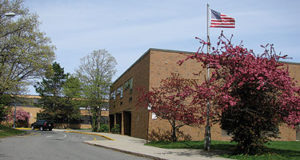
column 23, row 128
column 94, row 134
column 123, row 151
column 27, row 134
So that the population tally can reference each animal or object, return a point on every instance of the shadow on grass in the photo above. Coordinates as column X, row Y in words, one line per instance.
column 288, row 154
column 196, row 147
column 271, row 153
column 275, row 150
column 219, row 145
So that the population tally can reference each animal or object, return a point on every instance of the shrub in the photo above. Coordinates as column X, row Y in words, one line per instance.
column 22, row 118
column 104, row 128
column 116, row 129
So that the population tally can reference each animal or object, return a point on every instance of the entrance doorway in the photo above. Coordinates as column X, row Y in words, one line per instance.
column 111, row 121
column 127, row 123
column 119, row 121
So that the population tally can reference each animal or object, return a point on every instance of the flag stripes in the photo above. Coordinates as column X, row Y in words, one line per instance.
column 219, row 20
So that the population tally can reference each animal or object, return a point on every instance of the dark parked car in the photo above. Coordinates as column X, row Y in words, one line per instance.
column 42, row 125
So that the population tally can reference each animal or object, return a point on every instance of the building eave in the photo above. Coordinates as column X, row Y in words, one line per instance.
column 147, row 52
column 171, row 51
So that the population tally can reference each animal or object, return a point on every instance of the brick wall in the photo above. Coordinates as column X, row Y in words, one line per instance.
column 139, row 72
column 32, row 111
column 147, row 72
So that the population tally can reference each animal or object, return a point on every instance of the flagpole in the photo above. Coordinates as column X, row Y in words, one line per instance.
column 207, row 135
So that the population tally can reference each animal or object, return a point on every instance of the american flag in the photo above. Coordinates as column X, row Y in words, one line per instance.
column 219, row 20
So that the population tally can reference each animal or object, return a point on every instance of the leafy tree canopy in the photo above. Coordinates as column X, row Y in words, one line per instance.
column 25, row 52
column 168, row 103
column 250, row 94
column 95, row 74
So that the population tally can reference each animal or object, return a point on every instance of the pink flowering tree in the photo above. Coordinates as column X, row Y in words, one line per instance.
column 22, row 117
column 170, row 102
column 250, row 94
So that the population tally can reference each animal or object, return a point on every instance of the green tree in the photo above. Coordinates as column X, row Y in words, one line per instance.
column 58, row 95
column 72, row 98
column 95, row 73
column 25, row 52
column 4, row 101
column 72, row 87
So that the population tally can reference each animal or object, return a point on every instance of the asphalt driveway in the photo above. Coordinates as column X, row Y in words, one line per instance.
column 51, row 145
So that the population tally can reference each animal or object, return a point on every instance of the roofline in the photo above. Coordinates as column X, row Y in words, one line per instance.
column 27, row 96
column 297, row 63
column 39, row 97
column 169, row 50
column 147, row 52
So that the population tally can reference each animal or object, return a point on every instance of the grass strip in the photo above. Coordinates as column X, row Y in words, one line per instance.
column 276, row 150
column 8, row 132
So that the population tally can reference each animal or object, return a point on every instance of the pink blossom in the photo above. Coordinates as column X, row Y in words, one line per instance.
column 236, row 67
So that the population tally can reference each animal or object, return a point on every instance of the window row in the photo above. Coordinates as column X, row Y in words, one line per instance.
column 127, row 85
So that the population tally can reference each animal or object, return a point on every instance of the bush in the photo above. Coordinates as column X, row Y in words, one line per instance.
column 116, row 129
column 104, row 128
column 22, row 118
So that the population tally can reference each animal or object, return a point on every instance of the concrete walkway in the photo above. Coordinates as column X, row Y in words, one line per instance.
column 136, row 146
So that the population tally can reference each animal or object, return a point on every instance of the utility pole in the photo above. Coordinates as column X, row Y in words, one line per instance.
column 15, row 112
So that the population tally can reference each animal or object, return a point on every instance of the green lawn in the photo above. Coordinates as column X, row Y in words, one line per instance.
column 277, row 150
column 7, row 132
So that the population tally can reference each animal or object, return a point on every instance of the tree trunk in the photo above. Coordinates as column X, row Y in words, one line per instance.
column 174, row 138
column 98, row 121
column 94, row 119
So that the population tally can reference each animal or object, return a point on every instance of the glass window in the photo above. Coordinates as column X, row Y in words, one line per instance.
column 130, row 83
column 126, row 85
column 85, row 119
column 113, row 95
column 120, row 91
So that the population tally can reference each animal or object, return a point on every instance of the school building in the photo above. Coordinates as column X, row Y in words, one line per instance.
column 147, row 72
column 27, row 104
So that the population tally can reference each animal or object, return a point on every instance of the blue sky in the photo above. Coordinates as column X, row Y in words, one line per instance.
column 128, row 28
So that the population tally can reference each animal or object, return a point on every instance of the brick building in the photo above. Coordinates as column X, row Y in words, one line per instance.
column 147, row 72
column 27, row 103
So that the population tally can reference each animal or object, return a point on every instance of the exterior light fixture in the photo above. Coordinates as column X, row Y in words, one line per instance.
column 10, row 14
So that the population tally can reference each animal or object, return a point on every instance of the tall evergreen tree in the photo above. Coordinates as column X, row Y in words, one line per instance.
column 57, row 93
column 72, row 98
